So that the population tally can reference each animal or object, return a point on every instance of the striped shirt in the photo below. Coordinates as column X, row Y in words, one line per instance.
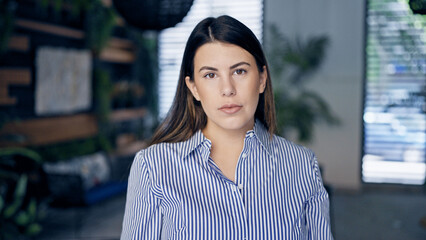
column 176, row 191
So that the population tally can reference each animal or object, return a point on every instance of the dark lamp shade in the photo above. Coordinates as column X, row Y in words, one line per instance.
column 418, row 6
column 153, row 14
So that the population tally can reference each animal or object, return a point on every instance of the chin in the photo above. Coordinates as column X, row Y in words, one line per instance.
column 233, row 124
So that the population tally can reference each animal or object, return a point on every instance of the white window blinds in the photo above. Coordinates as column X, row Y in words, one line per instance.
column 395, row 94
column 172, row 40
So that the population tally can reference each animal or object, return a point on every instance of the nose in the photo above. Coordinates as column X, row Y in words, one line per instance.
column 227, row 87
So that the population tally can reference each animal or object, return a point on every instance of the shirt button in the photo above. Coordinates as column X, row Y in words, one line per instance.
column 244, row 155
column 240, row 186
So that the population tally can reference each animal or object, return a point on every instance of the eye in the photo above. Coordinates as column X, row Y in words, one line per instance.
column 240, row 71
column 210, row 75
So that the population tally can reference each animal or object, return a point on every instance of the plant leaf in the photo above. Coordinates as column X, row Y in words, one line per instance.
column 1, row 203
column 323, row 111
column 33, row 229
column 19, row 195
column 22, row 218
column 32, row 210
column 21, row 151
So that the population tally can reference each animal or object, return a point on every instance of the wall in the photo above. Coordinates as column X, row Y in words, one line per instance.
column 339, row 81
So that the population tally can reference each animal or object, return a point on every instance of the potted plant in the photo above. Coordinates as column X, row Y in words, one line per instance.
column 23, row 193
column 292, row 64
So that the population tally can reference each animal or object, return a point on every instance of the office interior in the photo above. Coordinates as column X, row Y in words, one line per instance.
column 84, row 84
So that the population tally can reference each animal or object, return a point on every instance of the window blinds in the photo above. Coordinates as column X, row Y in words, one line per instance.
column 395, row 94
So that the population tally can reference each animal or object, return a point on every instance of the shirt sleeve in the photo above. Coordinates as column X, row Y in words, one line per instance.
column 317, row 208
column 142, row 217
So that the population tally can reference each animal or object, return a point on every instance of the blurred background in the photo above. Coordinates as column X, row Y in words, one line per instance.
column 84, row 83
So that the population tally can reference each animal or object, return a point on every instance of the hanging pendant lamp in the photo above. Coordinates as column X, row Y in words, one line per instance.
column 153, row 14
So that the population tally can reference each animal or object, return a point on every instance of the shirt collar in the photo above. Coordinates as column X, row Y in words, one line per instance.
column 259, row 131
column 263, row 136
column 192, row 143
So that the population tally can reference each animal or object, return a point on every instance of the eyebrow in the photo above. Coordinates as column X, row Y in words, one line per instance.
column 233, row 66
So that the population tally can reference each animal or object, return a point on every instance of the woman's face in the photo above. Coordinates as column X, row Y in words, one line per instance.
column 227, row 82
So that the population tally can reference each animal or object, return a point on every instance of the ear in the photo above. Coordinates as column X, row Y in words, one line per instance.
column 262, row 78
column 191, row 86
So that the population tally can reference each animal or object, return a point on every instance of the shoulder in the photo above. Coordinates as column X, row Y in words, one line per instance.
column 166, row 156
column 156, row 153
column 293, row 158
column 280, row 147
column 287, row 148
column 298, row 163
column 156, row 160
column 161, row 149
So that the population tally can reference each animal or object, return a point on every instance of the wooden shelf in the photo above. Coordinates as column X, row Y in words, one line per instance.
column 12, row 76
column 117, row 55
column 127, row 114
column 19, row 43
column 117, row 51
column 50, row 28
column 130, row 149
column 43, row 131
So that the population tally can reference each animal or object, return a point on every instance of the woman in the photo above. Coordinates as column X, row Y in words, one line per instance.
column 215, row 170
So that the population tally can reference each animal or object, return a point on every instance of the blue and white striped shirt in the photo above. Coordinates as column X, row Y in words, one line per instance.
column 176, row 191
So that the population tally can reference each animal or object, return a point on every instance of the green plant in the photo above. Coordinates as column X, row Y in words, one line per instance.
column 22, row 196
column 292, row 65
column 7, row 21
column 77, row 6
column 102, row 93
column 145, row 68
column 66, row 150
column 100, row 22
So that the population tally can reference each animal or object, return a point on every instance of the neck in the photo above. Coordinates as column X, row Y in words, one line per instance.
column 226, row 147
column 225, row 140
column 220, row 136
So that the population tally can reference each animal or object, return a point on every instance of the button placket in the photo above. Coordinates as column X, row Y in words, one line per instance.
column 242, row 162
column 241, row 205
column 235, row 189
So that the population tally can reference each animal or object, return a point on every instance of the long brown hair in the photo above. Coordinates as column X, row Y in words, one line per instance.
column 186, row 115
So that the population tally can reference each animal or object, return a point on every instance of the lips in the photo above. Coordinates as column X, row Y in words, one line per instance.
column 230, row 108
